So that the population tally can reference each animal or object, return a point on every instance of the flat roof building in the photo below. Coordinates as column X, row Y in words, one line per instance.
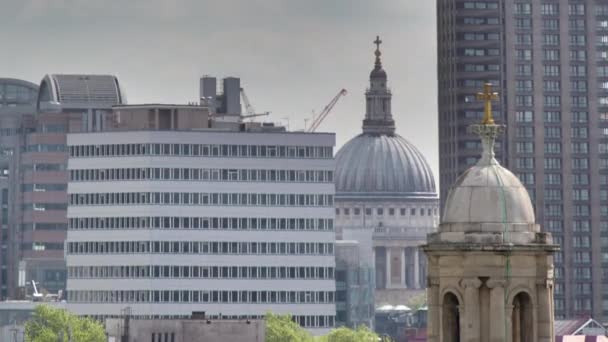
column 234, row 221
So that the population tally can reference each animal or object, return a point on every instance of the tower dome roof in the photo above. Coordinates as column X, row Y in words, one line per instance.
column 488, row 193
column 382, row 165
column 488, row 203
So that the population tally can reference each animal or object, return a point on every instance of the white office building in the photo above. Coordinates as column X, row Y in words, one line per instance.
column 231, row 223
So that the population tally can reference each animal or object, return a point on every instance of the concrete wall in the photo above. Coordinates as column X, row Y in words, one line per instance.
column 189, row 330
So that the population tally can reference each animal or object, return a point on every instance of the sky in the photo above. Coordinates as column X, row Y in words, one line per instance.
column 293, row 56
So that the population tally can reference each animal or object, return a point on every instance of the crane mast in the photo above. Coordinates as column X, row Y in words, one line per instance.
column 250, row 112
column 316, row 122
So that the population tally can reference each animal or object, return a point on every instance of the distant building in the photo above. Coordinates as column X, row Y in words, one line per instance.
column 66, row 103
column 354, row 287
column 185, row 330
column 234, row 221
column 386, row 197
column 17, row 113
column 581, row 329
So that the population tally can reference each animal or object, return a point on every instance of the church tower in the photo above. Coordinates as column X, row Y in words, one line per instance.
column 490, row 269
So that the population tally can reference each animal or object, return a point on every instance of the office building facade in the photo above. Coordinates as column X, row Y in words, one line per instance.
column 234, row 223
column 17, row 114
column 65, row 103
column 549, row 62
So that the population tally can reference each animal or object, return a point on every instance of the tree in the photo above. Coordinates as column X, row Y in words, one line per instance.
column 281, row 328
column 51, row 325
column 417, row 302
column 343, row 334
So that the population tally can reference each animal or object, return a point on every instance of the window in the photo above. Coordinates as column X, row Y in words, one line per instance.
column 523, row 70
column 524, row 147
column 576, row 9
column 523, row 85
column 552, row 117
column 523, row 100
column 524, row 116
column 551, row 70
column 549, row 9
column 551, row 55
column 522, row 9
column 523, row 54
column 551, row 39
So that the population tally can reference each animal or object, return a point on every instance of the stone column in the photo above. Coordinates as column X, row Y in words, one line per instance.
column 403, row 269
column 544, row 311
column 471, row 326
column 497, row 310
column 416, row 268
column 434, row 309
column 388, row 268
column 373, row 263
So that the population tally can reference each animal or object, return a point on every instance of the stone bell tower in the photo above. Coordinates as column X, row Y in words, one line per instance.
column 490, row 269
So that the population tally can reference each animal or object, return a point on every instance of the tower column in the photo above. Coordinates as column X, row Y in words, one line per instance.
column 403, row 269
column 433, row 324
column 416, row 268
column 388, row 268
column 497, row 309
column 471, row 327
column 544, row 311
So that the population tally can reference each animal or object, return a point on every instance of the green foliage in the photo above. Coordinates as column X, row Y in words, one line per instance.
column 343, row 334
column 50, row 325
column 417, row 302
column 280, row 328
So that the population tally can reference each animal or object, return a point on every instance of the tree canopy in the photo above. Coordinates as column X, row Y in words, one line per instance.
column 49, row 324
column 281, row 328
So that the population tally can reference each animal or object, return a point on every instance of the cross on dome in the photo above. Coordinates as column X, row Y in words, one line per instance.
column 487, row 96
column 377, row 42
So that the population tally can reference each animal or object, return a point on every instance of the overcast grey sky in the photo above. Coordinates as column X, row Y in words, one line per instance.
column 292, row 56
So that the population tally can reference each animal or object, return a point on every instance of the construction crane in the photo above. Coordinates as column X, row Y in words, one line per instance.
column 250, row 112
column 316, row 122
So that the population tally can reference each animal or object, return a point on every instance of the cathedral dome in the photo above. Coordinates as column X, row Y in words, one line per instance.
column 382, row 165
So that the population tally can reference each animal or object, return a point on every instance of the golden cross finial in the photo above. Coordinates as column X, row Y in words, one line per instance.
column 487, row 96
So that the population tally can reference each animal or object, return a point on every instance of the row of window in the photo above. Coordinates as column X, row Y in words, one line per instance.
column 522, row 8
column 196, row 150
column 524, row 116
column 306, row 321
column 187, row 296
column 43, row 187
column 200, row 247
column 391, row 211
column 195, row 198
column 174, row 222
column 187, row 174
column 577, row 210
column 44, row 167
column 206, row 272
column 556, row 178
